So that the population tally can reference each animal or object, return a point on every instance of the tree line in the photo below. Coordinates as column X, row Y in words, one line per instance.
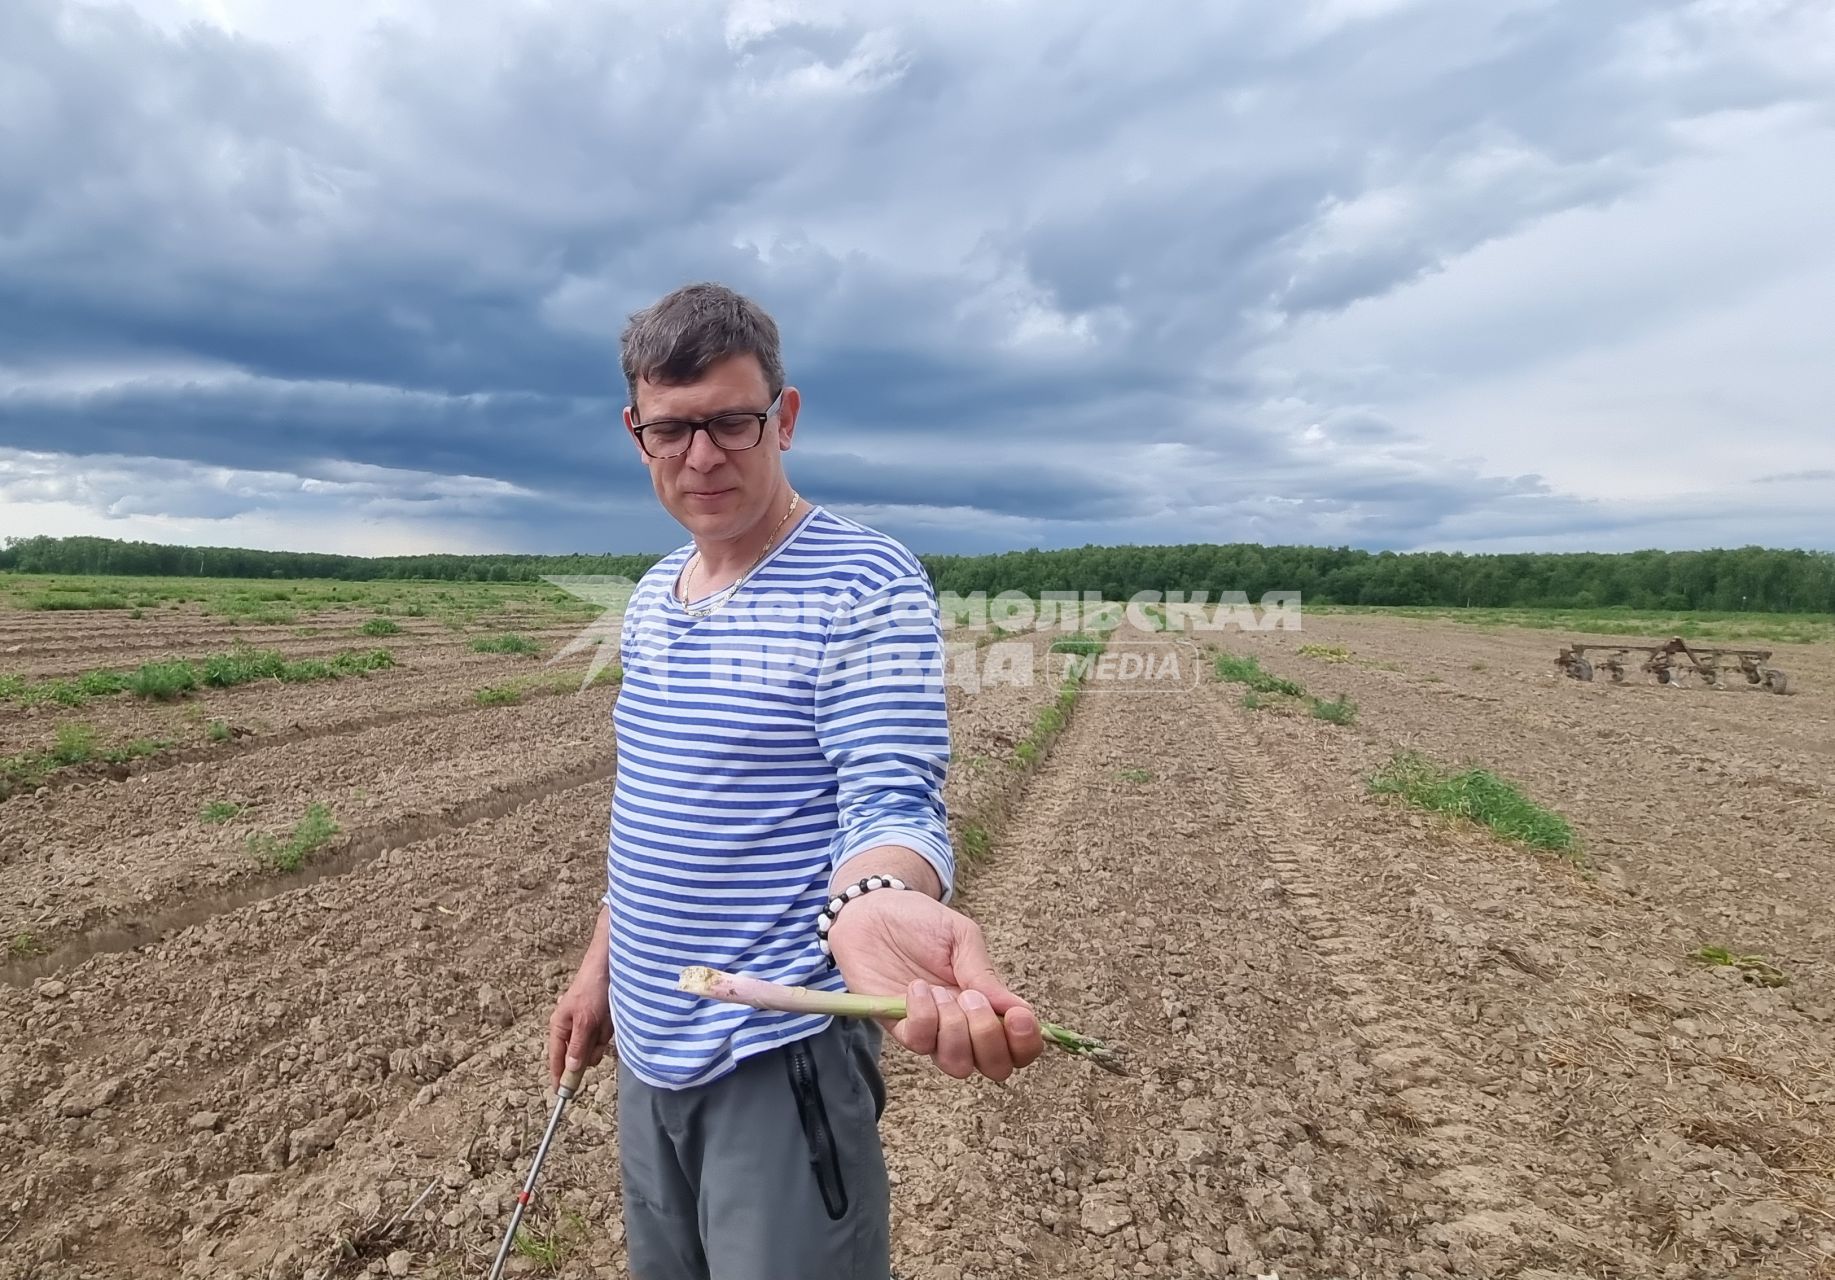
column 1759, row 579
column 161, row 560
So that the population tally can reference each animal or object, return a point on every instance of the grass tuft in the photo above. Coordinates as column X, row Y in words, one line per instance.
column 163, row 681
column 381, row 627
column 133, row 749
column 309, row 834
column 513, row 691
column 509, row 643
column 1475, row 794
column 1754, row 968
column 1340, row 710
column 76, row 744
column 547, row 1250
column 217, row 812
column 1238, row 669
column 976, row 843
column 1052, row 717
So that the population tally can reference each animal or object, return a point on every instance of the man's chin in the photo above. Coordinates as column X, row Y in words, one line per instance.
column 705, row 521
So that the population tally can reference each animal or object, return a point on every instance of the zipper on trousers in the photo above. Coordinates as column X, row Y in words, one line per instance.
column 817, row 1132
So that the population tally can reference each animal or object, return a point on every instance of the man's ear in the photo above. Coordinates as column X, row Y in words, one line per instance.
column 788, row 405
column 629, row 426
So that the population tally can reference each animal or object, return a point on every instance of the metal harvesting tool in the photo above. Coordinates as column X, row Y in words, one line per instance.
column 570, row 1085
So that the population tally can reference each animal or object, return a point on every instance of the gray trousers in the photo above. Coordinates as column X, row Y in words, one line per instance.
column 772, row 1172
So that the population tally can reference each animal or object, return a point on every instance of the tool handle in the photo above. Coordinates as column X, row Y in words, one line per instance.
column 570, row 1080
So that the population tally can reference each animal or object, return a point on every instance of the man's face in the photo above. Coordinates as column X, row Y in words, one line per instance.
column 717, row 493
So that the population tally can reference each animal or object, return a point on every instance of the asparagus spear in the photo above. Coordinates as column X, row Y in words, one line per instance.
column 737, row 989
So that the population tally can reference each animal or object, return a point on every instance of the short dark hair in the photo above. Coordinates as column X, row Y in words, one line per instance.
column 676, row 338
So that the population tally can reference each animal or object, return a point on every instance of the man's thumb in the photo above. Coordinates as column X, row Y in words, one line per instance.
column 975, row 971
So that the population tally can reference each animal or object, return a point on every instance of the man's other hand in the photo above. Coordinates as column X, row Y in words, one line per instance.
column 579, row 1029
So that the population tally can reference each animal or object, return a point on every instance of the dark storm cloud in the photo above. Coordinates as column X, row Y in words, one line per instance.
column 537, row 441
column 1036, row 240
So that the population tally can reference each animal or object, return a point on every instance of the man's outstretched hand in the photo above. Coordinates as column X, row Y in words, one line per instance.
column 958, row 1012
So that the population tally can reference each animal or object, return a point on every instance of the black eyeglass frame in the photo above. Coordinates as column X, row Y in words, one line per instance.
column 706, row 424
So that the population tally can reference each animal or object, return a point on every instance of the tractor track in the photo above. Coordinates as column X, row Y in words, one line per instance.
column 1541, row 1031
column 1491, row 1224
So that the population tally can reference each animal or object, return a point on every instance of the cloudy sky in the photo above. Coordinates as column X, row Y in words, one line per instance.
column 349, row 275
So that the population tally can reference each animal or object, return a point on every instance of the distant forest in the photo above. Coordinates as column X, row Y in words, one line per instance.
column 1758, row 579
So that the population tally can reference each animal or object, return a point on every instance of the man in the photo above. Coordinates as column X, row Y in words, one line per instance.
column 781, row 738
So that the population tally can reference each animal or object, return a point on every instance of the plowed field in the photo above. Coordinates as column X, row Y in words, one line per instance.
column 1367, row 1041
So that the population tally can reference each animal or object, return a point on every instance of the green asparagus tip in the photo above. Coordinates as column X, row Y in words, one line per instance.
column 1095, row 1052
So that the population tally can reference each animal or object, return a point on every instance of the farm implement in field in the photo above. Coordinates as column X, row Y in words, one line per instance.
column 1671, row 663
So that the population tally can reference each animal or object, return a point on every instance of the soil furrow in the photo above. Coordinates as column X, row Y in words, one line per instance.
column 131, row 849
column 429, row 704
column 144, row 1125
column 268, row 704
column 341, row 859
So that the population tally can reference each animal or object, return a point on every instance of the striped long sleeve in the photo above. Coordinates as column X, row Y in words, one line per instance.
column 881, row 719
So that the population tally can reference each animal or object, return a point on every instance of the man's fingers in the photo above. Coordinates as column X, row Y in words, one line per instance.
column 975, row 972
column 918, row 1030
column 1025, row 1040
column 989, row 1039
column 587, row 1044
column 955, row 1051
column 559, row 1036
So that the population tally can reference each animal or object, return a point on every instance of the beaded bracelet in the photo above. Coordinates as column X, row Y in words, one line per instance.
column 826, row 920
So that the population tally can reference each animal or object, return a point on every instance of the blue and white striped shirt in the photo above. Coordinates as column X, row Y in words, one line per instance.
column 760, row 747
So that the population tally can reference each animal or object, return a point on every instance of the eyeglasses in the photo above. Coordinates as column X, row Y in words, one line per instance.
column 672, row 437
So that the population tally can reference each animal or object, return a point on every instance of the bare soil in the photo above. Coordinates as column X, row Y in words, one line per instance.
column 129, row 853
column 1366, row 1042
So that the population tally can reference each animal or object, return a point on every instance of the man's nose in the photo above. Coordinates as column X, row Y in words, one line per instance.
column 703, row 454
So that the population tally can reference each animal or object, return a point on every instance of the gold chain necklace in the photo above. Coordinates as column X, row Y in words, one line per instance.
column 703, row 611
